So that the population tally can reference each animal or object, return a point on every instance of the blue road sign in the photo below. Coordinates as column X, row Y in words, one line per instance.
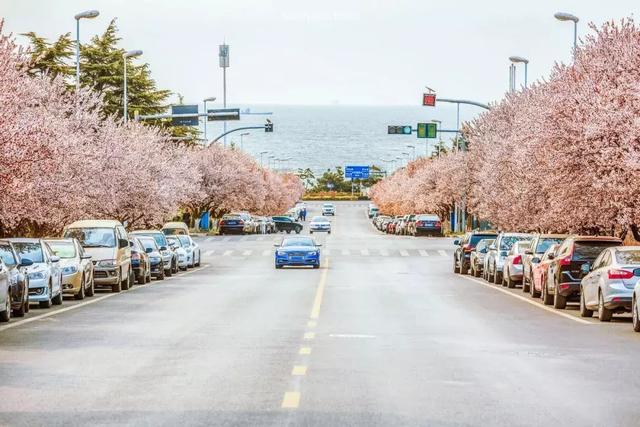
column 356, row 172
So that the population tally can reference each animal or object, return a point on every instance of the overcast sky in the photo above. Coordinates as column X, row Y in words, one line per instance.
column 347, row 52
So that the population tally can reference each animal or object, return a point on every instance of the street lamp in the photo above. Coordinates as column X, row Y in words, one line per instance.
column 261, row 154
column 413, row 147
column 562, row 16
column 125, row 56
column 88, row 14
column 206, row 119
column 269, row 161
column 241, row 136
column 525, row 61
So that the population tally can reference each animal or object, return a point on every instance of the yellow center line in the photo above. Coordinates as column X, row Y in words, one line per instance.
column 312, row 324
column 291, row 400
column 317, row 301
column 299, row 370
column 305, row 350
column 309, row 335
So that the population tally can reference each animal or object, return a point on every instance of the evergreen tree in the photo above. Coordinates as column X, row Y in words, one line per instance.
column 56, row 58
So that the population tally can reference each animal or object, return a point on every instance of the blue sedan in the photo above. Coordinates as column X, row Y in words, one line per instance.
column 297, row 251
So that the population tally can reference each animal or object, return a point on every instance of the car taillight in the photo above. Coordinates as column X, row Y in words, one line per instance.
column 438, row 224
column 222, row 222
column 241, row 222
column 565, row 261
column 467, row 248
column 418, row 222
column 620, row 274
column 135, row 256
column 517, row 260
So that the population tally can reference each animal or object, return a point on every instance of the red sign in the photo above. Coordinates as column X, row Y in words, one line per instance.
column 429, row 99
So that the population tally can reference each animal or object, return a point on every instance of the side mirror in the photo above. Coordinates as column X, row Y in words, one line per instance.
column 535, row 260
column 131, row 243
column 85, row 256
column 456, row 242
column 585, row 268
column 551, row 256
column 55, row 258
column 528, row 252
column 163, row 248
column 123, row 243
column 492, row 247
column 25, row 262
column 148, row 250
column 319, row 245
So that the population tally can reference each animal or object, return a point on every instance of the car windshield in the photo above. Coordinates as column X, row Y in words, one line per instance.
column 628, row 257
column 149, row 244
column 30, row 250
column 93, row 237
column 62, row 249
column 546, row 243
column 522, row 247
column 475, row 238
column 319, row 219
column 589, row 251
column 7, row 254
column 230, row 216
column 507, row 241
column 175, row 241
column 300, row 241
column 184, row 240
column 427, row 218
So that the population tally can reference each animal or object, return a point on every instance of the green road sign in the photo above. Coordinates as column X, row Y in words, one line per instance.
column 427, row 130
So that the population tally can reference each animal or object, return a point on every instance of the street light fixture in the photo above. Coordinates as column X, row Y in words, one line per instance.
column 125, row 56
column 88, row 14
column 206, row 119
column 413, row 147
column 518, row 60
column 562, row 16
column 261, row 154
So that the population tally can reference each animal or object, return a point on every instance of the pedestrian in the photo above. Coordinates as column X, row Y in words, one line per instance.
column 304, row 214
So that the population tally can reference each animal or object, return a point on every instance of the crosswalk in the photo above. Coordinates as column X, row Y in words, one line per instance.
column 346, row 252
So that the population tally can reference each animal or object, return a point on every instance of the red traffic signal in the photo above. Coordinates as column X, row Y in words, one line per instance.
column 429, row 99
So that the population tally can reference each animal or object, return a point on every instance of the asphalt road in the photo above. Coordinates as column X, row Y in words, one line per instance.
column 383, row 334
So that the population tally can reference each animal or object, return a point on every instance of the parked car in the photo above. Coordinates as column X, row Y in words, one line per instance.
column 169, row 257
column 608, row 284
column 45, row 274
column 264, row 225
column 427, row 224
column 153, row 252
column 140, row 259
column 233, row 223
column 391, row 227
column 512, row 270
column 5, row 293
column 498, row 252
column 19, row 280
column 379, row 221
column 175, row 228
column 192, row 249
column 108, row 244
column 329, row 209
column 284, row 223
column 635, row 308
column 539, row 245
column 319, row 224
column 406, row 225
column 539, row 270
column 462, row 254
column 76, row 265
column 372, row 211
column 297, row 251
column 476, row 260
column 180, row 250
column 565, row 271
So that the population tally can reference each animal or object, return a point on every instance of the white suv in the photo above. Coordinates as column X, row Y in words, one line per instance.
column 328, row 209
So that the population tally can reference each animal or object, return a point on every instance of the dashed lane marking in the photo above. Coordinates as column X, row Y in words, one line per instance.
column 422, row 252
column 209, row 253
column 305, row 350
column 404, row 252
column 309, row 335
column 312, row 324
column 442, row 252
column 529, row 301
column 291, row 400
column 227, row 253
column 299, row 370
column 247, row 252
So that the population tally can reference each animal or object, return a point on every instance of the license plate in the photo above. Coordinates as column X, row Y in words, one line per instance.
column 296, row 258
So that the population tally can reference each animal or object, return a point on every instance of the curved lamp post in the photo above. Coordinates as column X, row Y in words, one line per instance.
column 87, row 14
column 129, row 54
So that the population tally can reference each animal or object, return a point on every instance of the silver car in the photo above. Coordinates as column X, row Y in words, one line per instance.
column 512, row 270
column 498, row 252
column 608, row 284
column 478, row 255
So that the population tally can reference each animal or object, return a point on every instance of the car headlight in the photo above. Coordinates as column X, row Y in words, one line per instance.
column 281, row 253
column 314, row 253
column 165, row 253
column 71, row 269
column 36, row 276
column 106, row 263
column 154, row 259
column 188, row 250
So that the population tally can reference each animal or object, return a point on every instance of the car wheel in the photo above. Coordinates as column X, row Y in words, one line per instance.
column 5, row 315
column 510, row 283
column 288, row 231
column 92, row 289
column 81, row 294
column 604, row 314
column 525, row 284
column 47, row 303
column 497, row 277
column 175, row 267
column 584, row 311
column 126, row 284
column 559, row 301
column 532, row 291
column 20, row 312
column 57, row 300
column 161, row 276
column 455, row 266
column 298, row 230
column 635, row 315
column 310, row 232
column 117, row 287
column 278, row 266
column 316, row 266
column 546, row 298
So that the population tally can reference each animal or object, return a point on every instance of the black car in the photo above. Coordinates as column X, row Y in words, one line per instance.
column 426, row 224
column 564, row 275
column 284, row 223
column 140, row 259
column 19, row 280
column 462, row 255
column 231, row 223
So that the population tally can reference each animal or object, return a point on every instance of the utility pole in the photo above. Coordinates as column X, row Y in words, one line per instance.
column 223, row 54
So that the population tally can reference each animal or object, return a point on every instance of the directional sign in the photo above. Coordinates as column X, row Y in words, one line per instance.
column 356, row 172
column 223, row 114
column 184, row 109
column 399, row 130
column 427, row 130
column 429, row 99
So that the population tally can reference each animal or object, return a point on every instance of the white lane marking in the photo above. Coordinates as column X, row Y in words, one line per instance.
column 422, row 252
column 209, row 239
column 442, row 252
column 226, row 239
column 209, row 253
column 247, row 252
column 93, row 300
column 260, row 238
column 364, row 252
column 227, row 253
column 243, row 238
column 529, row 301
column 384, row 252
column 346, row 252
column 351, row 336
column 266, row 252
column 404, row 252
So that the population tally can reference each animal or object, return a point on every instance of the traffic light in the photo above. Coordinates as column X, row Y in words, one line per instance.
column 429, row 99
column 268, row 127
column 427, row 130
column 399, row 130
